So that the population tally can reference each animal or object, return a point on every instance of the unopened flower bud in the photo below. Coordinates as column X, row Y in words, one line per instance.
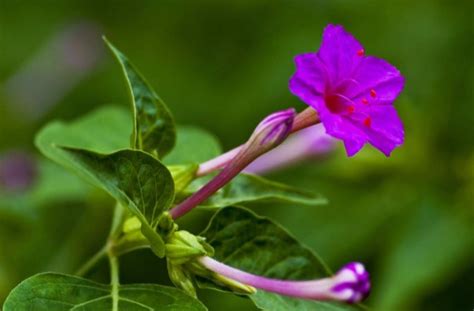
column 268, row 134
column 271, row 132
column 181, row 278
column 351, row 283
column 309, row 143
column 183, row 246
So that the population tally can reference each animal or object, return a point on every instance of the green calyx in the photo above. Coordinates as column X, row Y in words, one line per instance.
column 181, row 278
column 182, row 175
column 182, row 246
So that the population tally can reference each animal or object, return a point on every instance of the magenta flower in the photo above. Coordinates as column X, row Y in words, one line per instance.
column 352, row 93
column 350, row 284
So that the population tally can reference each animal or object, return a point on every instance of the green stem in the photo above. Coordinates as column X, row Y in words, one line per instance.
column 92, row 261
column 117, row 220
column 122, row 248
column 115, row 230
column 114, row 280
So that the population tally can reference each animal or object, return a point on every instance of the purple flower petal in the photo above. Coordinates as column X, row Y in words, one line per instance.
column 340, row 51
column 311, row 72
column 338, row 126
column 352, row 93
column 376, row 75
column 386, row 131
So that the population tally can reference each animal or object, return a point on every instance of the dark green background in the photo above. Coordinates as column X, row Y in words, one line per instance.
column 224, row 65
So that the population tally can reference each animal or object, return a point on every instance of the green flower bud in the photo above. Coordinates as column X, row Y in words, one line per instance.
column 181, row 278
column 183, row 246
column 183, row 175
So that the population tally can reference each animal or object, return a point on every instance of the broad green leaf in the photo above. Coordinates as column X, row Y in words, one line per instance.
column 193, row 146
column 246, row 188
column 103, row 130
column 153, row 125
column 257, row 245
column 58, row 292
column 117, row 173
column 136, row 179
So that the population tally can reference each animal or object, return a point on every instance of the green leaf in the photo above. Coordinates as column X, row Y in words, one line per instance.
column 193, row 146
column 104, row 130
column 153, row 125
column 134, row 178
column 117, row 173
column 57, row 292
column 257, row 245
column 247, row 188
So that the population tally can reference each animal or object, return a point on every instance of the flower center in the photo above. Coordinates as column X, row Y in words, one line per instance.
column 338, row 103
column 334, row 103
column 367, row 121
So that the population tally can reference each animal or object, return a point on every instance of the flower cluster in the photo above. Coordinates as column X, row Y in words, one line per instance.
column 352, row 95
column 350, row 98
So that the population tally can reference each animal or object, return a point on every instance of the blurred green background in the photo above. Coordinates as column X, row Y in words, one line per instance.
column 223, row 66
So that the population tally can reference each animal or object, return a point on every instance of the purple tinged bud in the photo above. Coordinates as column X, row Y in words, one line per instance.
column 269, row 133
column 350, row 284
column 309, row 143
column 299, row 122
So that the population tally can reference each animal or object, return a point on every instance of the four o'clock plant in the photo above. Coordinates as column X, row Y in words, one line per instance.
column 161, row 173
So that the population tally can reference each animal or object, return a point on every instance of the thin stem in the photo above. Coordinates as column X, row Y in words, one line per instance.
column 229, row 172
column 305, row 119
column 268, row 134
column 114, row 280
column 86, row 267
column 124, row 247
column 117, row 220
column 218, row 162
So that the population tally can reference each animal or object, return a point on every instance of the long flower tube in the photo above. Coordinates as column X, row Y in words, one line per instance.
column 269, row 133
column 350, row 284
column 311, row 143
column 304, row 119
